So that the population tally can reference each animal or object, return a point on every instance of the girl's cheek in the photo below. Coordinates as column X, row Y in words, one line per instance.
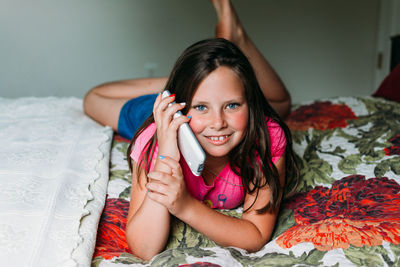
column 243, row 120
column 239, row 120
column 197, row 125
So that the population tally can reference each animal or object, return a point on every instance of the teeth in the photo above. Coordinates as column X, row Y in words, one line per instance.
column 216, row 138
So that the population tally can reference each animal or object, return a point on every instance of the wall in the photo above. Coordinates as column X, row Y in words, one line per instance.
column 321, row 48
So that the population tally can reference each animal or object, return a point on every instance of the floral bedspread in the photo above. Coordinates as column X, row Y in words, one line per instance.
column 347, row 211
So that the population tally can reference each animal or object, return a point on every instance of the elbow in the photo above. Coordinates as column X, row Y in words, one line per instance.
column 141, row 249
column 255, row 246
column 256, row 243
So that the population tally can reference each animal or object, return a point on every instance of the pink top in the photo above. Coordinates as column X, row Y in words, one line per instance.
column 226, row 192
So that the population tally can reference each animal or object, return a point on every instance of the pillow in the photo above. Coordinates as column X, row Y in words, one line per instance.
column 390, row 87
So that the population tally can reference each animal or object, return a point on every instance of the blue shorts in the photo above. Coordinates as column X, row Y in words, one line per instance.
column 133, row 113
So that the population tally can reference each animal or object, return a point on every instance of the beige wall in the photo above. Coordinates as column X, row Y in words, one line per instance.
column 321, row 48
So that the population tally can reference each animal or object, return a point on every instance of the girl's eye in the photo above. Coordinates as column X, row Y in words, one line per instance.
column 200, row 107
column 232, row 105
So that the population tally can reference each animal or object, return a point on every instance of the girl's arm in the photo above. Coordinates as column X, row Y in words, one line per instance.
column 251, row 232
column 103, row 103
column 148, row 222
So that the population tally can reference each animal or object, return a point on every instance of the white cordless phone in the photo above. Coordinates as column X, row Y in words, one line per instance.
column 188, row 145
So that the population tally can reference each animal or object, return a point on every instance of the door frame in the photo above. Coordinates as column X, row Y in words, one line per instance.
column 388, row 26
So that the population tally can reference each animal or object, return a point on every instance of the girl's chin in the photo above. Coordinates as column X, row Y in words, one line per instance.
column 217, row 153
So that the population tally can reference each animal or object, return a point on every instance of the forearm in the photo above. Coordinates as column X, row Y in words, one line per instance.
column 147, row 231
column 223, row 229
column 148, row 223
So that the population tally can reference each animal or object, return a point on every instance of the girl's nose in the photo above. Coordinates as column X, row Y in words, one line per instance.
column 218, row 121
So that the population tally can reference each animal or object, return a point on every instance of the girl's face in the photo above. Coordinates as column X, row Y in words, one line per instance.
column 219, row 112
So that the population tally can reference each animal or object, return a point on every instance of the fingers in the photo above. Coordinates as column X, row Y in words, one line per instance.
column 162, row 185
column 164, row 111
column 165, row 105
column 168, row 189
column 165, row 183
column 173, row 164
column 167, row 178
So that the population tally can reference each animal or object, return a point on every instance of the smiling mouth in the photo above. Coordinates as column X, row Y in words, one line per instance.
column 221, row 139
column 217, row 138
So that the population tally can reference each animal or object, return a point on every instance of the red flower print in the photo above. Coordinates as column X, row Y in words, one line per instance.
column 320, row 116
column 354, row 211
column 111, row 240
column 119, row 138
column 395, row 148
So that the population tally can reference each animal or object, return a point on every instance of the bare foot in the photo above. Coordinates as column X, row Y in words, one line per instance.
column 229, row 26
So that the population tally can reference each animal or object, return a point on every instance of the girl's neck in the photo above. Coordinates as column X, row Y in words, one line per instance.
column 215, row 164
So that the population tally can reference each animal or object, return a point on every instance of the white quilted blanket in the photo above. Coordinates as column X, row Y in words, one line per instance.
column 53, row 178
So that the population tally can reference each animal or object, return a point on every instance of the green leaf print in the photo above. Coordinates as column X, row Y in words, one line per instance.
column 123, row 148
column 384, row 120
column 284, row 221
column 313, row 169
column 381, row 168
column 368, row 256
column 395, row 165
column 372, row 159
column 299, row 136
column 384, row 166
column 126, row 194
column 396, row 251
column 120, row 174
column 313, row 258
column 348, row 164
column 184, row 236
column 126, row 258
column 175, row 257
column 96, row 261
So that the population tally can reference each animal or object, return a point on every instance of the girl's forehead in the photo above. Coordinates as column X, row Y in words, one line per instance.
column 222, row 83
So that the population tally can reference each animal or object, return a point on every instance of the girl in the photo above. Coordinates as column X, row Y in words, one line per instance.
column 248, row 150
column 248, row 146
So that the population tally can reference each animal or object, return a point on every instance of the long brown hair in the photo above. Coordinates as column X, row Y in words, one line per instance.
column 251, row 159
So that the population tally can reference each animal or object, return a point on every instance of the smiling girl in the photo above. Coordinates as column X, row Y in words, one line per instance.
column 248, row 150
column 248, row 146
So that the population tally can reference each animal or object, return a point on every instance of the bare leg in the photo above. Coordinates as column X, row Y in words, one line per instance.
column 229, row 27
column 104, row 102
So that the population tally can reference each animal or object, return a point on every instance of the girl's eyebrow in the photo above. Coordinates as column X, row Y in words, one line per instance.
column 234, row 99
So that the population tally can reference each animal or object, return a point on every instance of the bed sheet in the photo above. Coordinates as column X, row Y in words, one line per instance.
column 346, row 212
column 53, row 179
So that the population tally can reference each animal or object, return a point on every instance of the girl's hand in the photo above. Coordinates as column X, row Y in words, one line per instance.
column 169, row 189
column 167, row 125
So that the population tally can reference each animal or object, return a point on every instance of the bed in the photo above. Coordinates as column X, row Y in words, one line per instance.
column 347, row 211
column 72, row 211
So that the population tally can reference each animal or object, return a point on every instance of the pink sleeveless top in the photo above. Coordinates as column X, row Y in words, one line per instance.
column 226, row 191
